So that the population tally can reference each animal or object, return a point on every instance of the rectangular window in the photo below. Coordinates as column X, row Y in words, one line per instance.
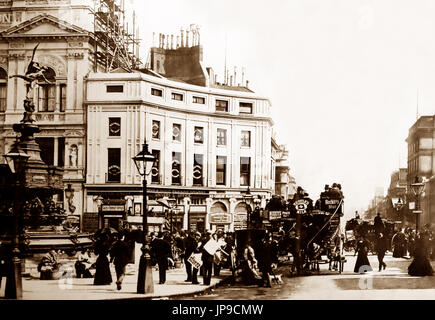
column 156, row 129
column 156, row 92
column 199, row 100
column 245, row 138
column 47, row 97
column 47, row 149
column 176, row 132
column 114, row 127
column 198, row 135
column 177, row 96
column 62, row 106
column 197, row 169
column 221, row 137
column 245, row 107
column 245, row 171
column 114, row 88
column 221, row 169
column 155, row 171
column 61, row 151
column 114, row 165
column 176, row 168
column 222, row 105
column 3, row 95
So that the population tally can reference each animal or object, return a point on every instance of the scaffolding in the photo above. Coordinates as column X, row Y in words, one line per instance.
column 114, row 45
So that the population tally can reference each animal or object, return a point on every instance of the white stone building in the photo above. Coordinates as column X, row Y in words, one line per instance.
column 211, row 144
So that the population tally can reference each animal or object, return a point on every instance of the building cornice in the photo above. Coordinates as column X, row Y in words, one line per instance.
column 167, row 108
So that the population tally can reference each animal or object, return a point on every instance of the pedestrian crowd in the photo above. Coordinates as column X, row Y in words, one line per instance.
column 405, row 243
column 201, row 254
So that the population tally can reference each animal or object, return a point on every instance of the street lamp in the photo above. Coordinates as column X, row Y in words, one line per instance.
column 417, row 189
column 144, row 161
column 246, row 196
column 16, row 159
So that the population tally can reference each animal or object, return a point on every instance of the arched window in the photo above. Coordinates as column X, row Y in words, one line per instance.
column 47, row 92
column 3, row 89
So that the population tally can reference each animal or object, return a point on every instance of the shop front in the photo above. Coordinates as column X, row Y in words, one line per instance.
column 219, row 217
column 241, row 217
column 196, row 218
column 112, row 214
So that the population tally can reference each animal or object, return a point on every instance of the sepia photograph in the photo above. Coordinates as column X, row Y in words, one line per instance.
column 200, row 150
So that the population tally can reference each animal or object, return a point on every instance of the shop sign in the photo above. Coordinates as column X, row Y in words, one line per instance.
column 218, row 218
column 285, row 214
column 113, row 207
column 240, row 217
column 240, row 226
column 273, row 215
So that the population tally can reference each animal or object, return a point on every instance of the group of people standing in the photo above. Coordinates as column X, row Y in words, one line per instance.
column 418, row 244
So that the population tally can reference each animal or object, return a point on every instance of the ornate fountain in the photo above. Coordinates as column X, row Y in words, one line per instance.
column 28, row 210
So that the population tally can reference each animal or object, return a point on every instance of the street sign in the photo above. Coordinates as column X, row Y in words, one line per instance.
column 274, row 215
column 301, row 206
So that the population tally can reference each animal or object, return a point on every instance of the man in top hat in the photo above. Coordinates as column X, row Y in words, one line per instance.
column 161, row 250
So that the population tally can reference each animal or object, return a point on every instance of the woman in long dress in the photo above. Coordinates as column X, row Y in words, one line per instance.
column 362, row 261
column 421, row 266
column 103, row 275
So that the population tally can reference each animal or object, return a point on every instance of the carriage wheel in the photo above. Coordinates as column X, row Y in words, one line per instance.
column 233, row 266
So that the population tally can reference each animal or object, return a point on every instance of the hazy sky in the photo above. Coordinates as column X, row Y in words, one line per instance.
column 342, row 77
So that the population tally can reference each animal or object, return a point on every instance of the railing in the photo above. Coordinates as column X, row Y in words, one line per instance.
column 321, row 229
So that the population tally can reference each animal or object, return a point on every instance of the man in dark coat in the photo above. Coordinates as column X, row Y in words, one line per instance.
column 381, row 248
column 161, row 251
column 190, row 245
column 265, row 259
column 379, row 224
column 196, row 245
column 207, row 260
column 120, row 256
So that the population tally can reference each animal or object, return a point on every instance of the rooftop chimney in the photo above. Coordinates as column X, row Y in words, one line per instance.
column 187, row 38
column 178, row 42
column 172, row 42
column 182, row 37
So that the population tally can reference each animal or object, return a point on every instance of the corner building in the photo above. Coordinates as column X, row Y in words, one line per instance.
column 212, row 141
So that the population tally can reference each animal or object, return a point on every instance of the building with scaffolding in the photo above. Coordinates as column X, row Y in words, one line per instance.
column 75, row 37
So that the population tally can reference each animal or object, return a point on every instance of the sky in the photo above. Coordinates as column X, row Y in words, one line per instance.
column 346, row 78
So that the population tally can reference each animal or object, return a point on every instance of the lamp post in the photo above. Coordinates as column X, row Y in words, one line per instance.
column 417, row 189
column 144, row 161
column 247, row 195
column 16, row 159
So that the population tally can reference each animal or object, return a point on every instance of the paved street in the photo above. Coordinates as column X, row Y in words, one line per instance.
column 72, row 288
column 390, row 284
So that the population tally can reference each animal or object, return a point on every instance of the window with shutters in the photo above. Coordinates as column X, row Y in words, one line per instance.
column 62, row 105
column 197, row 169
column 47, row 92
column 222, row 105
column 3, row 89
column 245, row 171
column 221, row 168
column 176, row 168
column 155, row 170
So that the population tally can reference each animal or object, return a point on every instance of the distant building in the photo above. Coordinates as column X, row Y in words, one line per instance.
column 421, row 164
column 284, row 182
column 397, row 195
